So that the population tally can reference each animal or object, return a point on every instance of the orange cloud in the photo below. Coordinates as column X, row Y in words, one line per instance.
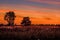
column 39, row 16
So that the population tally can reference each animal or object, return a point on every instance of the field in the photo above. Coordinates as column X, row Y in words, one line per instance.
column 29, row 32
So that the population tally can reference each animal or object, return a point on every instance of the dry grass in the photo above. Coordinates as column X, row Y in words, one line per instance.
column 30, row 32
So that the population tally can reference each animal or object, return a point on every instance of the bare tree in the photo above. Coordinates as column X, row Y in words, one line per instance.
column 10, row 17
column 26, row 21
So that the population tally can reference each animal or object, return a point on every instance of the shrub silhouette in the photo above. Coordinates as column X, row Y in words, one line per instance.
column 26, row 21
column 10, row 17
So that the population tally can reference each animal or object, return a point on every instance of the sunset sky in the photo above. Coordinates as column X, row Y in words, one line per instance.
column 39, row 11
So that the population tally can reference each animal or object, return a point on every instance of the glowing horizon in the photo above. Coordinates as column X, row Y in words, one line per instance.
column 39, row 11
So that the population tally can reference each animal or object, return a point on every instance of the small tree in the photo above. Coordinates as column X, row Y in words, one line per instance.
column 26, row 21
column 10, row 17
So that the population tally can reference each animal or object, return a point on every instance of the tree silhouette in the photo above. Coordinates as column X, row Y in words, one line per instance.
column 26, row 21
column 10, row 17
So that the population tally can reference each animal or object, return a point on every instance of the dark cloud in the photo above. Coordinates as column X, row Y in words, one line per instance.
column 47, row 18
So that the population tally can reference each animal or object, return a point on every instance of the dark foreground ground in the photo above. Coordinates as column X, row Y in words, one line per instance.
column 30, row 33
